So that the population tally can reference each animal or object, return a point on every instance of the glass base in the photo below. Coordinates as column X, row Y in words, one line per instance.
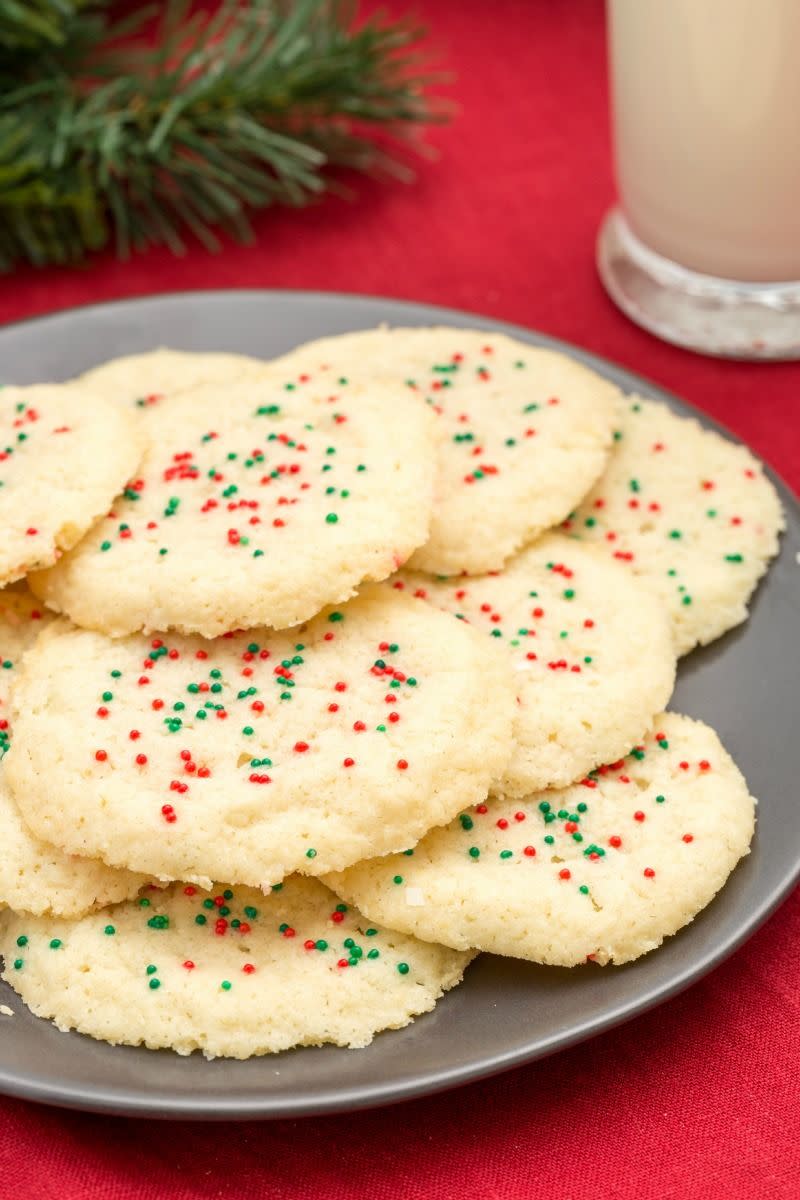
column 759, row 321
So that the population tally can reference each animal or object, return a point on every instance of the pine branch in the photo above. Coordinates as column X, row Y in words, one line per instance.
column 229, row 114
column 27, row 25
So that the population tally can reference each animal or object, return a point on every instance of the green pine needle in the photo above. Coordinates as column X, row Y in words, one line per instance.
column 39, row 24
column 105, row 142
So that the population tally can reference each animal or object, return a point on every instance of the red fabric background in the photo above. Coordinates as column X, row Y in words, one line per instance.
column 695, row 1100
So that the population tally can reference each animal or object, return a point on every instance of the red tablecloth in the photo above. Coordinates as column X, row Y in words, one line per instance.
column 696, row 1100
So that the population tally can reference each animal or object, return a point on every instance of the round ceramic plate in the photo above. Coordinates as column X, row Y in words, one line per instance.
column 505, row 1013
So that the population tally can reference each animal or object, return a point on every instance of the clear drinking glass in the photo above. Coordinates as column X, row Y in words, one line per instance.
column 704, row 247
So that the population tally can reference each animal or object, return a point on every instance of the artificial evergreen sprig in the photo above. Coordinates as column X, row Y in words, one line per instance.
column 226, row 114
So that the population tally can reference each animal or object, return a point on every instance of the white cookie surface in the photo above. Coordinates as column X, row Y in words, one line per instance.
column 256, row 755
column 64, row 455
column 140, row 381
column 602, row 871
column 526, row 431
column 22, row 618
column 256, row 503
column 38, row 878
column 591, row 654
column 233, row 974
column 690, row 513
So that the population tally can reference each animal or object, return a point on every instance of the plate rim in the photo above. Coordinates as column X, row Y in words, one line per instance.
column 359, row 1097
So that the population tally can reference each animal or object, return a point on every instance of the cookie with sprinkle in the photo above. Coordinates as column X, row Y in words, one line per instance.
column 36, row 877
column 525, row 431
column 64, row 455
column 232, row 973
column 257, row 503
column 140, row 381
column 601, row 871
column 689, row 512
column 22, row 618
column 591, row 654
column 255, row 755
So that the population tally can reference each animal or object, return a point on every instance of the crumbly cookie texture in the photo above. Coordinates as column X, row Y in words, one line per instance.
column 256, row 755
column 689, row 512
column 22, row 618
column 255, row 504
column 604, row 870
column 590, row 650
column 141, row 381
column 34, row 876
column 38, row 878
column 526, row 431
column 234, row 973
column 64, row 455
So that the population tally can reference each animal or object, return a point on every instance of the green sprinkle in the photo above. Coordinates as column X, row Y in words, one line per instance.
column 251, row 912
column 311, row 853
column 466, row 821
column 474, row 852
column 151, row 970
column 373, row 954
column 660, row 799
column 155, row 984
column 403, row 968
column 506, row 853
column 200, row 919
column 19, row 963
column 397, row 879
column 584, row 889
column 22, row 940
column 159, row 922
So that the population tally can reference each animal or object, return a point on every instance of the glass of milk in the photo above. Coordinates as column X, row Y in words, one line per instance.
column 704, row 246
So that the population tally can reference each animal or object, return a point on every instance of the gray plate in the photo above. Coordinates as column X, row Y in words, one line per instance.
column 506, row 1012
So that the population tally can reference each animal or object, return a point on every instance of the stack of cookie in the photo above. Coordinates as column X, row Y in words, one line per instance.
column 360, row 669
